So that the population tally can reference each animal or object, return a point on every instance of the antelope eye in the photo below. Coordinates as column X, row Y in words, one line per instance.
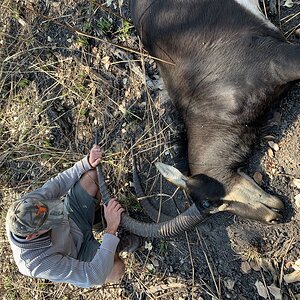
column 206, row 203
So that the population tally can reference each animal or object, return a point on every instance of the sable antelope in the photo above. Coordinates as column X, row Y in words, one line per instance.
column 224, row 66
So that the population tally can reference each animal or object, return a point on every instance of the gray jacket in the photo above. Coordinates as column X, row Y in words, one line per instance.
column 54, row 257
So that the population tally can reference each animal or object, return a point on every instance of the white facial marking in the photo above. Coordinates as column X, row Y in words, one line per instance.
column 253, row 7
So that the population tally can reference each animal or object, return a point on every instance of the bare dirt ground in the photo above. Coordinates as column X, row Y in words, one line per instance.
column 64, row 77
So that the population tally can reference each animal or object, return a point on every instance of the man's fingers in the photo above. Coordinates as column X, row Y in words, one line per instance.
column 96, row 162
column 121, row 210
column 113, row 205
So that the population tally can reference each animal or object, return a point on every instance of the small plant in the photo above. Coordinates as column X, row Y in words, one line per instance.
column 162, row 248
column 23, row 83
column 9, row 288
column 106, row 25
column 87, row 27
column 83, row 112
column 82, row 41
column 124, row 32
column 48, row 143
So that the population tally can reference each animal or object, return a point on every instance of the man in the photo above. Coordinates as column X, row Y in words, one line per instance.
column 52, row 238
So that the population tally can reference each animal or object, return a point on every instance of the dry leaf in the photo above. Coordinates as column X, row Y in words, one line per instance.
column 270, row 152
column 229, row 283
column 150, row 267
column 296, row 265
column 268, row 266
column 273, row 145
column 297, row 200
column 275, row 291
column 155, row 262
column 288, row 3
column 106, row 61
column 296, row 182
column 254, row 265
column 292, row 277
column 261, row 289
column 245, row 267
column 257, row 178
column 148, row 246
column 108, row 2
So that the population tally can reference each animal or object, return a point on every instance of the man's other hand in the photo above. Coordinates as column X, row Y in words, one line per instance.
column 112, row 213
column 95, row 156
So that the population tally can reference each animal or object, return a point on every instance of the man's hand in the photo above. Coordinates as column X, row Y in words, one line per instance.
column 95, row 156
column 112, row 213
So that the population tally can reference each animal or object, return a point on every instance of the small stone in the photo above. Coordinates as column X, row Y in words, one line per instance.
column 297, row 33
column 49, row 39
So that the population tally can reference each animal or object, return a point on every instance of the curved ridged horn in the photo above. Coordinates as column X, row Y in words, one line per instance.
column 183, row 222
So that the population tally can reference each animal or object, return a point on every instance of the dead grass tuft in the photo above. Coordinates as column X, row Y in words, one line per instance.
column 70, row 69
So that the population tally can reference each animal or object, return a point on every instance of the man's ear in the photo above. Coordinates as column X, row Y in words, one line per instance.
column 31, row 236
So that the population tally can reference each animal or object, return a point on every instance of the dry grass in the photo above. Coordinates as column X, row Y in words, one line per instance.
column 58, row 87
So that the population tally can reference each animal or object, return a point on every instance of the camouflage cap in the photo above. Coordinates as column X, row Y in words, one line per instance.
column 31, row 215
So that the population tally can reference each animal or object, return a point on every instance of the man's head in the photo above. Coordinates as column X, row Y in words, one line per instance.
column 30, row 216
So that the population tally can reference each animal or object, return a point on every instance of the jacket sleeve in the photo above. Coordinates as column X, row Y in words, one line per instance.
column 59, row 268
column 58, row 186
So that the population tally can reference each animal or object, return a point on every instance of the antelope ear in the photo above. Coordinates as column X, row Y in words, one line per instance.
column 172, row 174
